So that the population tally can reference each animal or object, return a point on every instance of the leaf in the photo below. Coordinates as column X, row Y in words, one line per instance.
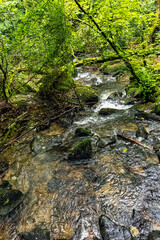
column 7, row 201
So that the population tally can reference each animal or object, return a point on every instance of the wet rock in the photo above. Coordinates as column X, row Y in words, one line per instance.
column 141, row 132
column 43, row 126
column 45, row 143
column 86, row 94
column 111, row 231
column 36, row 234
column 90, row 175
column 103, row 142
column 109, row 111
column 82, row 150
column 129, row 100
column 82, row 132
column 157, row 109
column 116, row 95
column 9, row 198
column 148, row 116
column 3, row 166
column 54, row 184
column 154, row 235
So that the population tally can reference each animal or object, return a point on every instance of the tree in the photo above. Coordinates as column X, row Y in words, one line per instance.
column 126, row 27
column 34, row 38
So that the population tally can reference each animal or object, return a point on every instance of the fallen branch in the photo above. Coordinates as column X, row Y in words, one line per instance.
column 134, row 141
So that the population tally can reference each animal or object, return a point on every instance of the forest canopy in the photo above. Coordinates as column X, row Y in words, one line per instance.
column 40, row 39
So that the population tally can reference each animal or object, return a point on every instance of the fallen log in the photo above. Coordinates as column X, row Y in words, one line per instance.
column 88, row 61
column 134, row 141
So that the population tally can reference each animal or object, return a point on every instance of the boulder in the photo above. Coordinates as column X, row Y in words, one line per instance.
column 157, row 109
column 54, row 184
column 111, row 231
column 154, row 235
column 141, row 132
column 103, row 142
column 37, row 233
column 9, row 198
column 83, row 150
column 45, row 143
column 86, row 94
column 82, row 132
column 109, row 111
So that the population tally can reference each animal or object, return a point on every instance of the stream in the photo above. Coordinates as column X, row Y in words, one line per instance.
column 112, row 196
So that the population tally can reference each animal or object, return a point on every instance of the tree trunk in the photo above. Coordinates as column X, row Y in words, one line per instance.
column 113, row 45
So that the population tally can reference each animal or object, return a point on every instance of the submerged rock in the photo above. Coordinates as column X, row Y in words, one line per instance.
column 82, row 150
column 54, row 184
column 36, row 234
column 109, row 111
column 103, row 142
column 111, row 231
column 82, row 132
column 45, row 143
column 9, row 198
column 154, row 235
column 141, row 132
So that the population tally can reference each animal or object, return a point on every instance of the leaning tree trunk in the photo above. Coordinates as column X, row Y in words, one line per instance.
column 113, row 45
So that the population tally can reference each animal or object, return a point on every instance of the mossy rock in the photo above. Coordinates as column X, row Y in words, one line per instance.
column 9, row 198
column 134, row 92
column 157, row 109
column 82, row 132
column 86, row 94
column 82, row 150
column 116, row 68
column 109, row 111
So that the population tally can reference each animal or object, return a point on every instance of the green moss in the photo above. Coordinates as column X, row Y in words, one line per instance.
column 80, row 132
column 112, row 67
column 86, row 94
column 82, row 150
column 157, row 108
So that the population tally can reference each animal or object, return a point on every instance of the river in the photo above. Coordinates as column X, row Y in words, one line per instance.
column 70, row 199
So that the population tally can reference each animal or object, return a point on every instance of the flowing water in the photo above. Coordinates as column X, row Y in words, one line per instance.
column 121, row 181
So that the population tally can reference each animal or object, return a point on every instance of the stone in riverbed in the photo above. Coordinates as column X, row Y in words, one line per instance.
column 86, row 94
column 83, row 150
column 9, row 198
column 109, row 111
column 37, row 233
column 108, row 140
column 154, row 235
column 141, row 132
column 45, row 143
column 111, row 231
column 82, row 132
column 54, row 184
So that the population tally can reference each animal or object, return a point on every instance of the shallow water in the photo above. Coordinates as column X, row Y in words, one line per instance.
column 121, row 181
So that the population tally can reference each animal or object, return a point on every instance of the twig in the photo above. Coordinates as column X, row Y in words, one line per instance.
column 134, row 141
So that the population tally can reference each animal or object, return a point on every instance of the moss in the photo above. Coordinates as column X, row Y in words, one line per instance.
column 81, row 132
column 82, row 150
column 112, row 67
column 157, row 108
column 86, row 94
